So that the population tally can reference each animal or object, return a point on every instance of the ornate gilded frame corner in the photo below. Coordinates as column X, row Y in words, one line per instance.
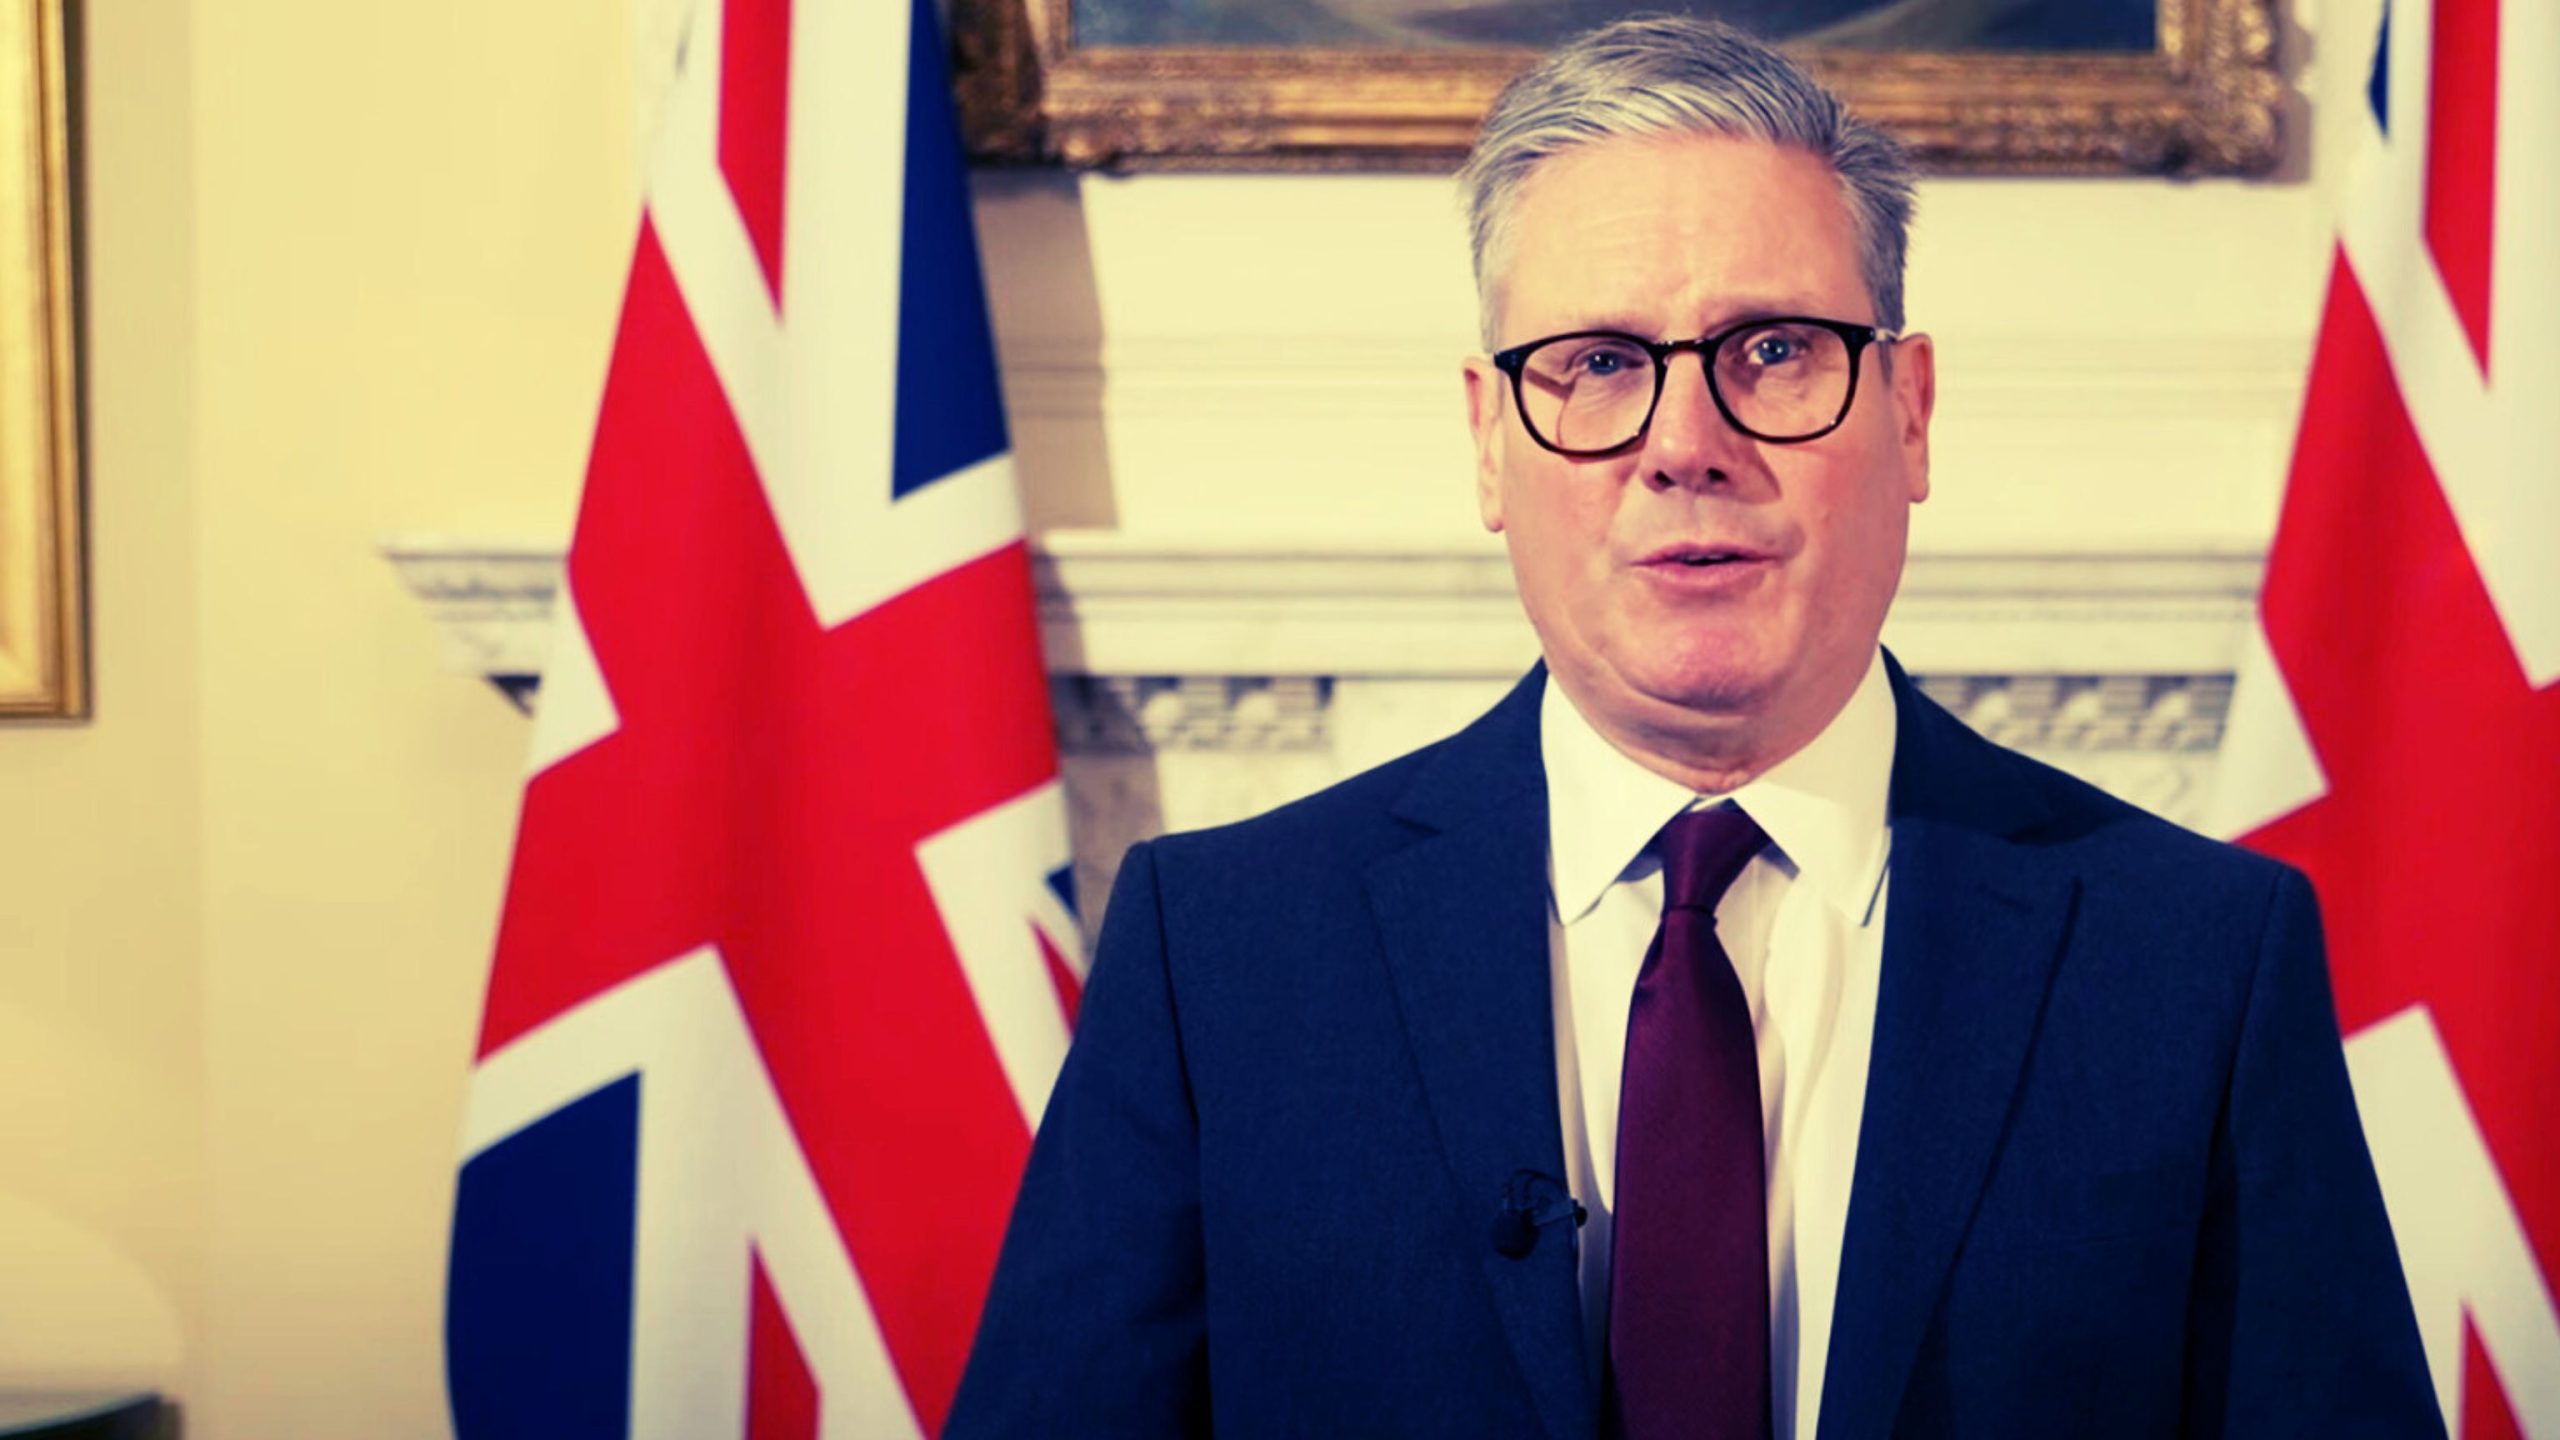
column 44, row 648
column 2203, row 102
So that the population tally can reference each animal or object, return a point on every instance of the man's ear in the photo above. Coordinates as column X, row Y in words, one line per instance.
column 1914, row 363
column 1484, row 418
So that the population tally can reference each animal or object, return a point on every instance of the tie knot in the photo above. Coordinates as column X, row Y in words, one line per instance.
column 1702, row 850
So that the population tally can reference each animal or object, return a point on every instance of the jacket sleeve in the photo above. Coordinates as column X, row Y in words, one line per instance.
column 1093, row 1325
column 2300, row 1322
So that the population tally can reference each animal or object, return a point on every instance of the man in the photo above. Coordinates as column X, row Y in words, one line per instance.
column 1716, row 1038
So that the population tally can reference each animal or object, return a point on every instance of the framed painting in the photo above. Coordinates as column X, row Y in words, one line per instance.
column 43, row 589
column 2005, row 86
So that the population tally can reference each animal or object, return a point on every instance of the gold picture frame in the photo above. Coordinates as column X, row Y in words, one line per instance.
column 43, row 585
column 2203, row 101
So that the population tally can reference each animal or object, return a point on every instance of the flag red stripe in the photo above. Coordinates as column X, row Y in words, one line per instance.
column 2486, row 1414
column 782, row 1396
column 2462, row 159
column 755, row 106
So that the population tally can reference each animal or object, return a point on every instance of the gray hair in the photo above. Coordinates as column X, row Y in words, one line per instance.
column 1657, row 75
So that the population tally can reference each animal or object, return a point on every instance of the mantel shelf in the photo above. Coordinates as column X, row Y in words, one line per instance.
column 1140, row 605
column 1197, row 680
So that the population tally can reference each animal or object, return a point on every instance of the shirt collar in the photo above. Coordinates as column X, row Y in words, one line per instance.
column 1822, row 807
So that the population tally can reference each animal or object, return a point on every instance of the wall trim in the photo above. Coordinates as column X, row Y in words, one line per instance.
column 1135, row 605
column 1195, row 681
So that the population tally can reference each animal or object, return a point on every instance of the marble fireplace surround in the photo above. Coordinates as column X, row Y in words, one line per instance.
column 1196, row 681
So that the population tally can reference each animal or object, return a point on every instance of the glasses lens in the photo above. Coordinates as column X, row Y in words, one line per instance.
column 1783, row 380
column 1587, row 393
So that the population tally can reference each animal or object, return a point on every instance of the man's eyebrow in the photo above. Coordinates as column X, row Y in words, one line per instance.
column 1764, row 309
column 1627, row 324
column 1740, row 312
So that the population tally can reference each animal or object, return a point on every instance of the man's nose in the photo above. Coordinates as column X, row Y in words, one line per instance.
column 1690, row 442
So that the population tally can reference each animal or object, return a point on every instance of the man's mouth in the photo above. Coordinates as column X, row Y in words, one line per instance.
column 1701, row 557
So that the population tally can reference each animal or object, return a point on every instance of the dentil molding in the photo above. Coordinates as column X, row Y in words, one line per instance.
column 1118, row 604
column 1197, row 680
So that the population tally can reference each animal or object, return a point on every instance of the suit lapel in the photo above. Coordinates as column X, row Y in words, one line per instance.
column 1463, row 916
column 1974, row 925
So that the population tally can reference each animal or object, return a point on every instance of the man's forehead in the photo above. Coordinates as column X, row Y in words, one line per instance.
column 1603, row 234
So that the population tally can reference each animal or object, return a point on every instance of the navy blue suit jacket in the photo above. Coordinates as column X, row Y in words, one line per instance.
column 2109, row 1178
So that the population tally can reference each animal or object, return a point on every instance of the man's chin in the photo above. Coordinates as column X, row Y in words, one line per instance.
column 1721, row 700
column 1692, row 695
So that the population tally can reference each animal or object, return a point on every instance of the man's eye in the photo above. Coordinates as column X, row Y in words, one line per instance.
column 1767, row 350
column 1605, row 362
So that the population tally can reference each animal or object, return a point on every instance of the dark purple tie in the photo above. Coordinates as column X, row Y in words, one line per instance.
column 1689, row 1263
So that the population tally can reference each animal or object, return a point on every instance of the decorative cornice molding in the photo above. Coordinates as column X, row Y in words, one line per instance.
column 2074, row 714
column 491, row 600
column 1114, row 604
column 2182, row 714
column 1142, row 715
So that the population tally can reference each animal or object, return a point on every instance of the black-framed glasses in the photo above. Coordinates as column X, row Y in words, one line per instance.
column 1785, row 379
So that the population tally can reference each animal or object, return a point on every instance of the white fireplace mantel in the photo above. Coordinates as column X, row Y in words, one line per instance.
column 1195, row 679
column 1138, row 605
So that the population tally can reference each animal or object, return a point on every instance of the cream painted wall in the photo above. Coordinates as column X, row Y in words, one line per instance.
column 101, row 994
column 353, row 272
column 411, row 223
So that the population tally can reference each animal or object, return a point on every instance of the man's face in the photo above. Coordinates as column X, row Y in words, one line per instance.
column 1739, row 662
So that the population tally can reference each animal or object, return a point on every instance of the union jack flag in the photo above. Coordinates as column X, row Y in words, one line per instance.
column 787, row 961
column 2396, row 732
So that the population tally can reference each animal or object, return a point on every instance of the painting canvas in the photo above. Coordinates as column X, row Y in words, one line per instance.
column 43, row 636
column 2014, row 86
column 2033, row 26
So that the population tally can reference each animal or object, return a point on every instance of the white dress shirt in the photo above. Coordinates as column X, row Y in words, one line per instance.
column 1804, row 923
